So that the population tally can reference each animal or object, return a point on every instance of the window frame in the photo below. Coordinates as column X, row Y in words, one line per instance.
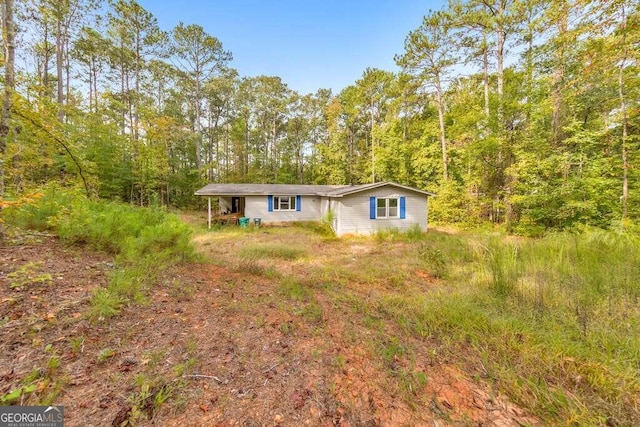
column 387, row 207
column 277, row 203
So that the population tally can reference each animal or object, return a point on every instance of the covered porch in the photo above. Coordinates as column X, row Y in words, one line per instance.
column 224, row 209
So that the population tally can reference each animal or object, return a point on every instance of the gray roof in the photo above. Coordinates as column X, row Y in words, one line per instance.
column 264, row 189
column 291, row 189
column 350, row 189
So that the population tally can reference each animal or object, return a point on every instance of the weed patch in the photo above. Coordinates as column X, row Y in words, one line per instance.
column 552, row 319
column 293, row 289
column 272, row 251
column 28, row 274
column 41, row 386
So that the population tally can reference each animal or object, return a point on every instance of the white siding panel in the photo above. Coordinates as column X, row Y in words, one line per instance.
column 257, row 207
column 354, row 212
column 334, row 205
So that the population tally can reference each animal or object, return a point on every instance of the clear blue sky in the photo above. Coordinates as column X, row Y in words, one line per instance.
column 310, row 44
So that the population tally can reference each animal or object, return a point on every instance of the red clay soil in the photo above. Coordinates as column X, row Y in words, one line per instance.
column 211, row 347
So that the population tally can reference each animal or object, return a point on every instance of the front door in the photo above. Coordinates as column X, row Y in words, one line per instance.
column 237, row 205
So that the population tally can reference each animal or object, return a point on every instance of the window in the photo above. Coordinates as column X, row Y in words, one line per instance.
column 387, row 207
column 284, row 203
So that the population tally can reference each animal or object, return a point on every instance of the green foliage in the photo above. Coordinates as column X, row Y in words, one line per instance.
column 548, row 142
column 391, row 351
column 76, row 344
column 144, row 240
column 14, row 396
column 294, row 289
column 502, row 266
column 323, row 228
column 41, row 386
column 411, row 234
column 105, row 355
column 151, row 393
column 451, row 205
column 434, row 260
column 105, row 304
column 28, row 274
column 312, row 313
column 553, row 319
column 277, row 251
column 40, row 211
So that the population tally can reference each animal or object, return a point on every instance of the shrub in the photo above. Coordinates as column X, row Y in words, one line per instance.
column 143, row 239
column 36, row 213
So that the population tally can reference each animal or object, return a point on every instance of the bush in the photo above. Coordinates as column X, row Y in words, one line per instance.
column 452, row 205
column 143, row 239
column 36, row 213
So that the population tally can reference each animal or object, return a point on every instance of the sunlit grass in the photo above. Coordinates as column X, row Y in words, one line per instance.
column 272, row 251
column 553, row 322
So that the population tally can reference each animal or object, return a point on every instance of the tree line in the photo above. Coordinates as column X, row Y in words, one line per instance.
column 522, row 112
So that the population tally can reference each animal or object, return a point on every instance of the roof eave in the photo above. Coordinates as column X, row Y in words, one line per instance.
column 378, row 185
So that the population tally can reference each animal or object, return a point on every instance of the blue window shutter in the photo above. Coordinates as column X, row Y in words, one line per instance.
column 270, row 203
column 298, row 204
column 403, row 208
column 372, row 207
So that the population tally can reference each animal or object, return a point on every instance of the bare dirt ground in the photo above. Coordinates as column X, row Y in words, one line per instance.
column 214, row 347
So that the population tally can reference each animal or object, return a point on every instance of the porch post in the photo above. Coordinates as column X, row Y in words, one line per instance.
column 209, row 212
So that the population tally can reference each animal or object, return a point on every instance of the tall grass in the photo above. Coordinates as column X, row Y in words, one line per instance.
column 274, row 250
column 145, row 241
column 555, row 321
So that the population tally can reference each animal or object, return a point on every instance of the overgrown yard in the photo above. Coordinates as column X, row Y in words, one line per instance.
column 292, row 326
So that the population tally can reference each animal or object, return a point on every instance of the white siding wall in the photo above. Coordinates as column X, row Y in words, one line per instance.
column 257, row 207
column 334, row 205
column 324, row 207
column 354, row 212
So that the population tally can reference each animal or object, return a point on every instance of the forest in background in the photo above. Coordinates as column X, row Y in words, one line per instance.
column 520, row 112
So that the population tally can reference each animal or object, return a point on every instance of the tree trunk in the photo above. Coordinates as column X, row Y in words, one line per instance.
column 196, row 125
column 122, row 73
column 226, row 151
column 500, row 33
column 373, row 149
column 217, row 147
column 8, row 37
column 558, row 78
column 94, row 71
column 275, row 152
column 443, row 140
column 245, row 166
column 59, row 63
column 485, row 74
column 624, row 119
column 67, row 70
column 45, row 65
column 136, row 110
column 91, row 85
